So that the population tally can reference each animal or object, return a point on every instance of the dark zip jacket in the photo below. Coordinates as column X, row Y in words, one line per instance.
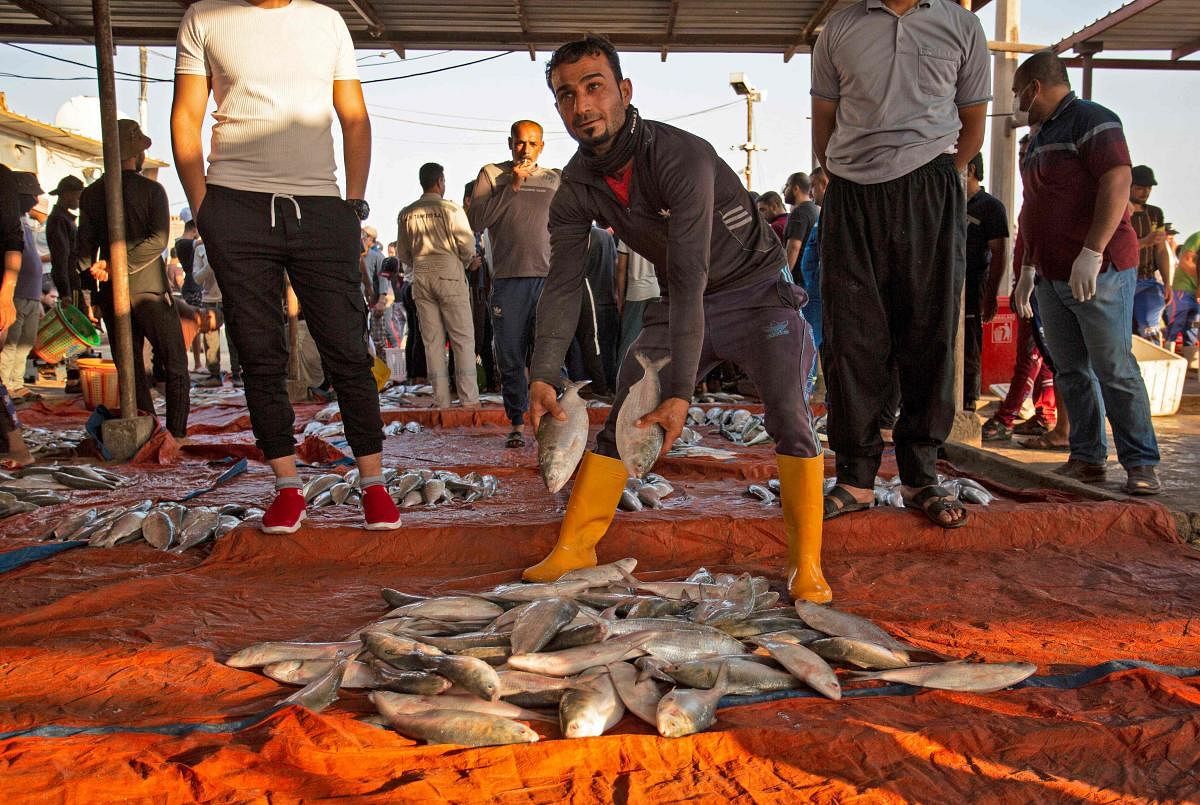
column 688, row 214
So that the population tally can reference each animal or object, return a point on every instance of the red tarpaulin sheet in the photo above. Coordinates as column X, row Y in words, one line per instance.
column 132, row 638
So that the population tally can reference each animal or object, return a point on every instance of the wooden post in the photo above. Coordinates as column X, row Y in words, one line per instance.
column 1002, row 167
column 118, row 263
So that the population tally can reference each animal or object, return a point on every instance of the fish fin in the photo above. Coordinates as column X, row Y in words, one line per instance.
column 722, row 678
column 864, row 676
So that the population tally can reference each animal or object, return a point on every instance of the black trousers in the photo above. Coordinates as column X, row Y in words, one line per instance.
column 972, row 360
column 587, row 337
column 154, row 319
column 894, row 261
column 252, row 239
column 414, row 347
column 482, row 319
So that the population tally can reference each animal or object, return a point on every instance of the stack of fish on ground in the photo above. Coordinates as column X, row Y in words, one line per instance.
column 167, row 525
column 46, row 443
column 35, row 486
column 644, row 493
column 328, row 430
column 887, row 492
column 407, row 487
column 467, row 668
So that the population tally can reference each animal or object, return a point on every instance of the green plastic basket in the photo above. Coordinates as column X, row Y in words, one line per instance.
column 64, row 333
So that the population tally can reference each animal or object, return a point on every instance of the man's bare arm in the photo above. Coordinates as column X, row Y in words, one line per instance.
column 970, row 136
column 1112, row 195
column 351, row 110
column 824, row 121
column 187, row 117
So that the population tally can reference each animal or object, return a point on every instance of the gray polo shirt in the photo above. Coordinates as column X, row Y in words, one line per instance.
column 899, row 83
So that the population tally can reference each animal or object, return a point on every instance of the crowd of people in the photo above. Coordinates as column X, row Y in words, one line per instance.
column 645, row 241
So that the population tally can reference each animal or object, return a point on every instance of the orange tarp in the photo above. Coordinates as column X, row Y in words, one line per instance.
column 132, row 638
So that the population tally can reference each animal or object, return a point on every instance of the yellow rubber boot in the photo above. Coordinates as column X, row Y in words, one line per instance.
column 598, row 487
column 800, row 493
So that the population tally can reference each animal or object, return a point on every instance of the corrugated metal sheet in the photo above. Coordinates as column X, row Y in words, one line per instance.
column 771, row 26
column 1142, row 25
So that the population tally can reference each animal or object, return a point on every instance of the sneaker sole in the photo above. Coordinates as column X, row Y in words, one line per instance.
column 285, row 529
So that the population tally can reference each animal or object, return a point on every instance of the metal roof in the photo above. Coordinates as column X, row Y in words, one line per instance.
column 754, row 26
column 1171, row 26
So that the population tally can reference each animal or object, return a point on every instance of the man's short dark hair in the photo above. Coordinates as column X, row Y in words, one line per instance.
column 771, row 199
column 189, row 226
column 1044, row 66
column 47, row 284
column 817, row 173
column 800, row 181
column 977, row 163
column 590, row 45
column 430, row 174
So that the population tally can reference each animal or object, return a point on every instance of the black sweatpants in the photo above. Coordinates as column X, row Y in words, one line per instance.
column 414, row 347
column 972, row 359
column 894, row 261
column 152, row 318
column 252, row 239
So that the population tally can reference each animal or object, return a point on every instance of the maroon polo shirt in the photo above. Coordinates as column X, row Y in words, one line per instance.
column 1061, row 173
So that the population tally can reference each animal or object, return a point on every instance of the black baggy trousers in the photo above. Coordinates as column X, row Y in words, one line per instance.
column 252, row 239
column 894, row 261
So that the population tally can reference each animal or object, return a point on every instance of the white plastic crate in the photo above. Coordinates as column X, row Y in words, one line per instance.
column 1164, row 373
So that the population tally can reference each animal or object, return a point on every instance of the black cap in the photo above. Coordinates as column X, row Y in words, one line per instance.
column 1143, row 176
column 67, row 184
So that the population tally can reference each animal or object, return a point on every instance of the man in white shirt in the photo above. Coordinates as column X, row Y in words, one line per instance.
column 279, row 70
column 435, row 238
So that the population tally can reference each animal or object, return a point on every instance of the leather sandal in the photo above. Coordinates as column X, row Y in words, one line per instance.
column 836, row 495
column 935, row 500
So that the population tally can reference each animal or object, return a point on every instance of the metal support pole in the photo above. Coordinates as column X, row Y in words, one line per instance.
column 749, row 139
column 118, row 264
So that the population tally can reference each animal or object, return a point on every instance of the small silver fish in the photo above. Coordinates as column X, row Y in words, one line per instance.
column 639, row 447
column 561, row 444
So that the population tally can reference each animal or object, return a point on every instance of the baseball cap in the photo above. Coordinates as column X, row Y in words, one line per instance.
column 1143, row 176
column 27, row 183
column 370, row 232
column 131, row 137
column 67, row 184
column 185, row 214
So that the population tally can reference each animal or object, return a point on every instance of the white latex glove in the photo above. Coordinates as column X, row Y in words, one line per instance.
column 1084, row 271
column 1023, row 292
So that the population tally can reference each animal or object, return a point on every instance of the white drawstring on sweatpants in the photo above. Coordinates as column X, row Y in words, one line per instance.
column 287, row 197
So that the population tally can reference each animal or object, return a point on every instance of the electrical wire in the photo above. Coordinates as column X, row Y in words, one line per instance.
column 406, row 59
column 91, row 78
column 438, row 70
column 151, row 79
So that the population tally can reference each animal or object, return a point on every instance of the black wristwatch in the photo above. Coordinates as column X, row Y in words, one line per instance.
column 361, row 208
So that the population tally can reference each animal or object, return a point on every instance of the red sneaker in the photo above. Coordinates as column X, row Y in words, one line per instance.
column 379, row 509
column 285, row 513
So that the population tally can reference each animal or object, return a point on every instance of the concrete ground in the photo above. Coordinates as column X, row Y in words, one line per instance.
column 1179, row 444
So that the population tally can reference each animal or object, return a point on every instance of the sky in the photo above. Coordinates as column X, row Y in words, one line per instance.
column 460, row 117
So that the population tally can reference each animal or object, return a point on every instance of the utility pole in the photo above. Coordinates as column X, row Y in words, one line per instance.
column 144, row 94
column 742, row 86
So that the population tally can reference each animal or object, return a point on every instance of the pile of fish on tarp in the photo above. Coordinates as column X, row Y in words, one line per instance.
column 174, row 526
column 736, row 424
column 168, row 526
column 467, row 668
column 46, row 443
column 35, row 486
column 328, row 430
column 887, row 492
